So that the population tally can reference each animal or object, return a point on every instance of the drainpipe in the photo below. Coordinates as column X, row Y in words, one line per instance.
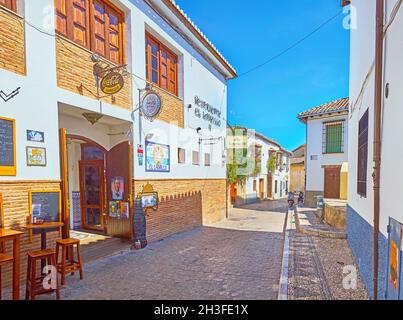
column 377, row 133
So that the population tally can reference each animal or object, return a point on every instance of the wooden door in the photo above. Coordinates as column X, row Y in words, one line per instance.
column 261, row 189
column 119, row 162
column 269, row 186
column 92, row 193
column 64, row 186
column 332, row 182
column 233, row 193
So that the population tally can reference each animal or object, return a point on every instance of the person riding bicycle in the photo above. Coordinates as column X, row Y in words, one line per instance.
column 301, row 198
column 291, row 199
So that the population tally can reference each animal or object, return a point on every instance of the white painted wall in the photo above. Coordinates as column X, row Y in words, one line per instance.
column 362, row 56
column 36, row 107
column 315, row 178
column 279, row 176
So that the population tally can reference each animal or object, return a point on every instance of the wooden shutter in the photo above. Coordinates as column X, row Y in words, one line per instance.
column 153, row 60
column 161, row 65
column 9, row 4
column 172, row 62
column 61, row 16
column 362, row 155
column 114, row 35
column 78, row 22
column 163, row 69
column 98, row 23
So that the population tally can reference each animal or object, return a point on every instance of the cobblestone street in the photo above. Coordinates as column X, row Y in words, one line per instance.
column 316, row 267
column 236, row 259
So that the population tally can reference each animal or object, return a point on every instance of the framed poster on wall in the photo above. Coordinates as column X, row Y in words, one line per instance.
column 36, row 157
column 158, row 157
column 8, row 165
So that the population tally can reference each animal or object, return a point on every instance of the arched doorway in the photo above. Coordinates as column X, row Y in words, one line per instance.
column 92, row 174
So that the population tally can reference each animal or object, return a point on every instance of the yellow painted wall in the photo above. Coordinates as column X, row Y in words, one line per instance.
column 344, row 181
column 297, row 177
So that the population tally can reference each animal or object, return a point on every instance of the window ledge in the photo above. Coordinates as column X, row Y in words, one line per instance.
column 62, row 37
column 15, row 14
column 332, row 153
column 154, row 85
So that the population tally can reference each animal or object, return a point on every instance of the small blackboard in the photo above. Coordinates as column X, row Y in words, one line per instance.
column 46, row 204
column 139, row 223
column 7, row 143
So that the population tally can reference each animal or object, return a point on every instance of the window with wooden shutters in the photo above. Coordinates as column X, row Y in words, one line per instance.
column 9, row 4
column 161, row 65
column 333, row 137
column 93, row 24
column 362, row 155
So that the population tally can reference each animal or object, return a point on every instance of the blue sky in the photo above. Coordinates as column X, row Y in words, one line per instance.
column 249, row 32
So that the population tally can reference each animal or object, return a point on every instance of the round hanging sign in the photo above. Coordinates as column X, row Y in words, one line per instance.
column 112, row 83
column 151, row 105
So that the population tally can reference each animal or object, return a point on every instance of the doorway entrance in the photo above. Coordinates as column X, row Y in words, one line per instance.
column 98, row 180
column 261, row 189
column 92, row 194
column 269, row 186
column 332, row 182
column 233, row 192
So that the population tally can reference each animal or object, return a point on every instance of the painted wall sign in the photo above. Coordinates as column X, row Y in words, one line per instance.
column 36, row 157
column 112, row 83
column 8, row 96
column 7, row 147
column 207, row 112
column 151, row 105
column 157, row 157
column 35, row 136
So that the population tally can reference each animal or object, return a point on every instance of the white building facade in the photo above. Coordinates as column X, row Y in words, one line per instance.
column 265, row 184
column 360, row 214
column 60, row 132
column 326, row 149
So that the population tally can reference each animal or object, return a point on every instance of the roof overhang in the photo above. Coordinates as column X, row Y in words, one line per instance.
column 304, row 119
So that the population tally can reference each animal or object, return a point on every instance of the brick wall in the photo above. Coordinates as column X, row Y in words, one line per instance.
column 172, row 108
column 16, row 210
column 184, row 205
column 175, row 214
column 12, row 42
column 75, row 72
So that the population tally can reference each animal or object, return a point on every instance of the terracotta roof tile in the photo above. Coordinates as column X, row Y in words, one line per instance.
column 339, row 105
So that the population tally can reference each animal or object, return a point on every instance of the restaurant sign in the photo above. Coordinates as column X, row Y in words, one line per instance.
column 112, row 83
column 151, row 105
column 207, row 112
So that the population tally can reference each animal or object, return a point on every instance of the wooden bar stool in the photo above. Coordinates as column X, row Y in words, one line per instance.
column 4, row 259
column 69, row 264
column 35, row 284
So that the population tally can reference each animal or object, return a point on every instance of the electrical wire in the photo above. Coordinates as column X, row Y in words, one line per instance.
column 364, row 84
column 295, row 44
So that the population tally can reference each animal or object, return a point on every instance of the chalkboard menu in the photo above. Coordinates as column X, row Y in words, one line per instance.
column 46, row 205
column 139, row 224
column 7, row 143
